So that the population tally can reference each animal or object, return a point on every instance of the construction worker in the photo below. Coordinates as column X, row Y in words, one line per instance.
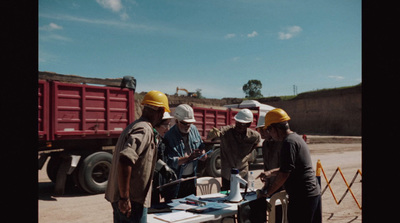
column 271, row 150
column 295, row 172
column 184, row 145
column 135, row 155
column 271, row 157
column 237, row 143
column 163, row 173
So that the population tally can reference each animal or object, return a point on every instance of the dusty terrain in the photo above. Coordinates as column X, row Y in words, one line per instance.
column 76, row 206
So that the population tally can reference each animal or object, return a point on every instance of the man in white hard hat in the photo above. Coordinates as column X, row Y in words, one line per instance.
column 237, row 143
column 163, row 173
column 184, row 145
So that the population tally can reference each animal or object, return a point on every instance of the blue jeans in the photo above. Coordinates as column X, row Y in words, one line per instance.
column 138, row 214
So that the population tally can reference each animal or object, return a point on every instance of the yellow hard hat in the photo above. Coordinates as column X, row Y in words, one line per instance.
column 156, row 98
column 276, row 115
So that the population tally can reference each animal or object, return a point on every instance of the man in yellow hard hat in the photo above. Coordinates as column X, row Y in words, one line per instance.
column 271, row 151
column 295, row 172
column 129, row 182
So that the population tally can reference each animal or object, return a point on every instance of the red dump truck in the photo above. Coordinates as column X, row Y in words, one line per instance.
column 79, row 125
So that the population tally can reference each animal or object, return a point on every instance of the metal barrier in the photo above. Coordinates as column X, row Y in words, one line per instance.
column 318, row 174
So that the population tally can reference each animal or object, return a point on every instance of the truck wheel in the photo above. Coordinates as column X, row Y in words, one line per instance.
column 213, row 165
column 93, row 172
column 52, row 167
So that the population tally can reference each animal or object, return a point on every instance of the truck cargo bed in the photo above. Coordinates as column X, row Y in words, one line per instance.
column 79, row 111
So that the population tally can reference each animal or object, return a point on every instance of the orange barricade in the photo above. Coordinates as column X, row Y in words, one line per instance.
column 318, row 174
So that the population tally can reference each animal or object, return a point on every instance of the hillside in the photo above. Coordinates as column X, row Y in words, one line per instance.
column 328, row 112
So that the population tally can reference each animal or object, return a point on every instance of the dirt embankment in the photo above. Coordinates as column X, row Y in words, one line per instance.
column 325, row 112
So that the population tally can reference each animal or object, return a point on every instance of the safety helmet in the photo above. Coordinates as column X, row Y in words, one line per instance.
column 184, row 113
column 167, row 116
column 261, row 121
column 157, row 99
column 244, row 116
column 276, row 115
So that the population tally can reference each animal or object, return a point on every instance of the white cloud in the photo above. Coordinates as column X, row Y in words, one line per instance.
column 124, row 16
column 253, row 34
column 50, row 33
column 51, row 27
column 113, row 23
column 230, row 35
column 338, row 78
column 235, row 58
column 289, row 32
column 52, row 36
column 114, row 5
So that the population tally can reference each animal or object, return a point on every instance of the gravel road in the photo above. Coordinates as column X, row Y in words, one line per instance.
column 76, row 206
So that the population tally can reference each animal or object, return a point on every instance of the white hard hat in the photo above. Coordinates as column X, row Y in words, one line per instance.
column 261, row 120
column 167, row 116
column 184, row 113
column 244, row 116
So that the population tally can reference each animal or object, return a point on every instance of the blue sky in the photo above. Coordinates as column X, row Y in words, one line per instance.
column 213, row 45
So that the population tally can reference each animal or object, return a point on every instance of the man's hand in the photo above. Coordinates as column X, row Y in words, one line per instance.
column 188, row 158
column 264, row 176
column 124, row 174
column 204, row 158
column 196, row 153
column 125, row 207
column 168, row 173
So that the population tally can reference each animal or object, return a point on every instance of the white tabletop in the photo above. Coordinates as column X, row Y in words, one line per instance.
column 208, row 216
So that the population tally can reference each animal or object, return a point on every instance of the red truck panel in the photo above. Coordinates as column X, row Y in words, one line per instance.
column 79, row 111
column 43, row 110
column 206, row 118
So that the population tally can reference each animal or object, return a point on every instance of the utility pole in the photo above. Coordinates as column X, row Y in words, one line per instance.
column 294, row 89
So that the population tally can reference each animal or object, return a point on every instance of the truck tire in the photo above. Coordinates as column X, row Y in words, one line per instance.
column 213, row 166
column 52, row 167
column 93, row 172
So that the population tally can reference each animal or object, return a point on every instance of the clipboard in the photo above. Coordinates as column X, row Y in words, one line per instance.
column 176, row 182
column 208, row 152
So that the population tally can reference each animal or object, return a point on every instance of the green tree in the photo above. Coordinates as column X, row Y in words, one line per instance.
column 253, row 89
column 198, row 92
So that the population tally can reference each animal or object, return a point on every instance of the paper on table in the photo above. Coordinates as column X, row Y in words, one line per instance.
column 183, row 207
column 175, row 216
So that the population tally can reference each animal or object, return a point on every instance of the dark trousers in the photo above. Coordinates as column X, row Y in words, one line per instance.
column 187, row 188
column 138, row 214
column 307, row 210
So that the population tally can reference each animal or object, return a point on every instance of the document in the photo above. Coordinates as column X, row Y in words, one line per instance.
column 175, row 216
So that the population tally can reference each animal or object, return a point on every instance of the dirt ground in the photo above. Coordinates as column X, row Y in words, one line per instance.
column 76, row 206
